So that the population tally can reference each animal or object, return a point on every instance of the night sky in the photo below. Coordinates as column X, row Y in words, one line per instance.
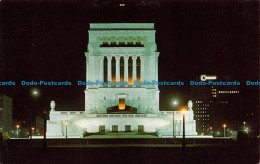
column 47, row 40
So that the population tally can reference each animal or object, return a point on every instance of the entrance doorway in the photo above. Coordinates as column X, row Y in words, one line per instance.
column 121, row 104
column 102, row 129
column 114, row 128
column 127, row 128
column 140, row 128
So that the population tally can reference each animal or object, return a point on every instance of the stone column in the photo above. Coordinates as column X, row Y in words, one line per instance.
column 134, row 69
column 86, row 71
column 126, row 68
column 142, row 68
column 117, row 69
column 109, row 69
column 101, row 69
column 156, row 70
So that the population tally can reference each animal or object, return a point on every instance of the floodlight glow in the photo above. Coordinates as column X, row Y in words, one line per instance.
column 175, row 103
column 35, row 92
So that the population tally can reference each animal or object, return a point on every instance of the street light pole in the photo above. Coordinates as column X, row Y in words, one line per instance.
column 35, row 94
column 224, row 126
column 33, row 130
column 183, row 135
column 210, row 130
column 175, row 103
column 30, row 128
column 224, row 132
column 173, row 125
column 66, row 123
column 17, row 130
column 44, row 128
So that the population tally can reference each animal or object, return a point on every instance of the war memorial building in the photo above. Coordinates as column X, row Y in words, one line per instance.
column 121, row 59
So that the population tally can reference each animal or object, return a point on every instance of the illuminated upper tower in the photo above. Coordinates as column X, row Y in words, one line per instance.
column 122, row 52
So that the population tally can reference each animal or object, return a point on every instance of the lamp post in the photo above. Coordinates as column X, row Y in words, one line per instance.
column 44, row 128
column 224, row 126
column 30, row 124
column 17, row 130
column 183, row 135
column 35, row 93
column 244, row 125
column 33, row 130
column 210, row 130
column 175, row 103
column 66, row 123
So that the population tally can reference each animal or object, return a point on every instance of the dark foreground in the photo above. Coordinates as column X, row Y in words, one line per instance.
column 84, row 151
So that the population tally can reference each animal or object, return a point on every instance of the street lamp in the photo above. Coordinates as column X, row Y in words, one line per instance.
column 246, row 130
column 224, row 126
column 66, row 123
column 183, row 135
column 33, row 130
column 17, row 130
column 35, row 93
column 244, row 125
column 175, row 103
column 210, row 130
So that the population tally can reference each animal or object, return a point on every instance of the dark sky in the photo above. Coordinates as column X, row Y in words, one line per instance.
column 47, row 40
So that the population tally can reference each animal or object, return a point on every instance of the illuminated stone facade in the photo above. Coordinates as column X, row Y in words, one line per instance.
column 122, row 47
column 126, row 53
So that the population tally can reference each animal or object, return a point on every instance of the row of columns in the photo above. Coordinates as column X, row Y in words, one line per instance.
column 109, row 75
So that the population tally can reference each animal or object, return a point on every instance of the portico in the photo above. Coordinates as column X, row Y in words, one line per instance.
column 121, row 71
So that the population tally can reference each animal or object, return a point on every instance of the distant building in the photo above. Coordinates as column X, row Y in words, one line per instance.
column 203, row 97
column 212, row 105
column 6, row 113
